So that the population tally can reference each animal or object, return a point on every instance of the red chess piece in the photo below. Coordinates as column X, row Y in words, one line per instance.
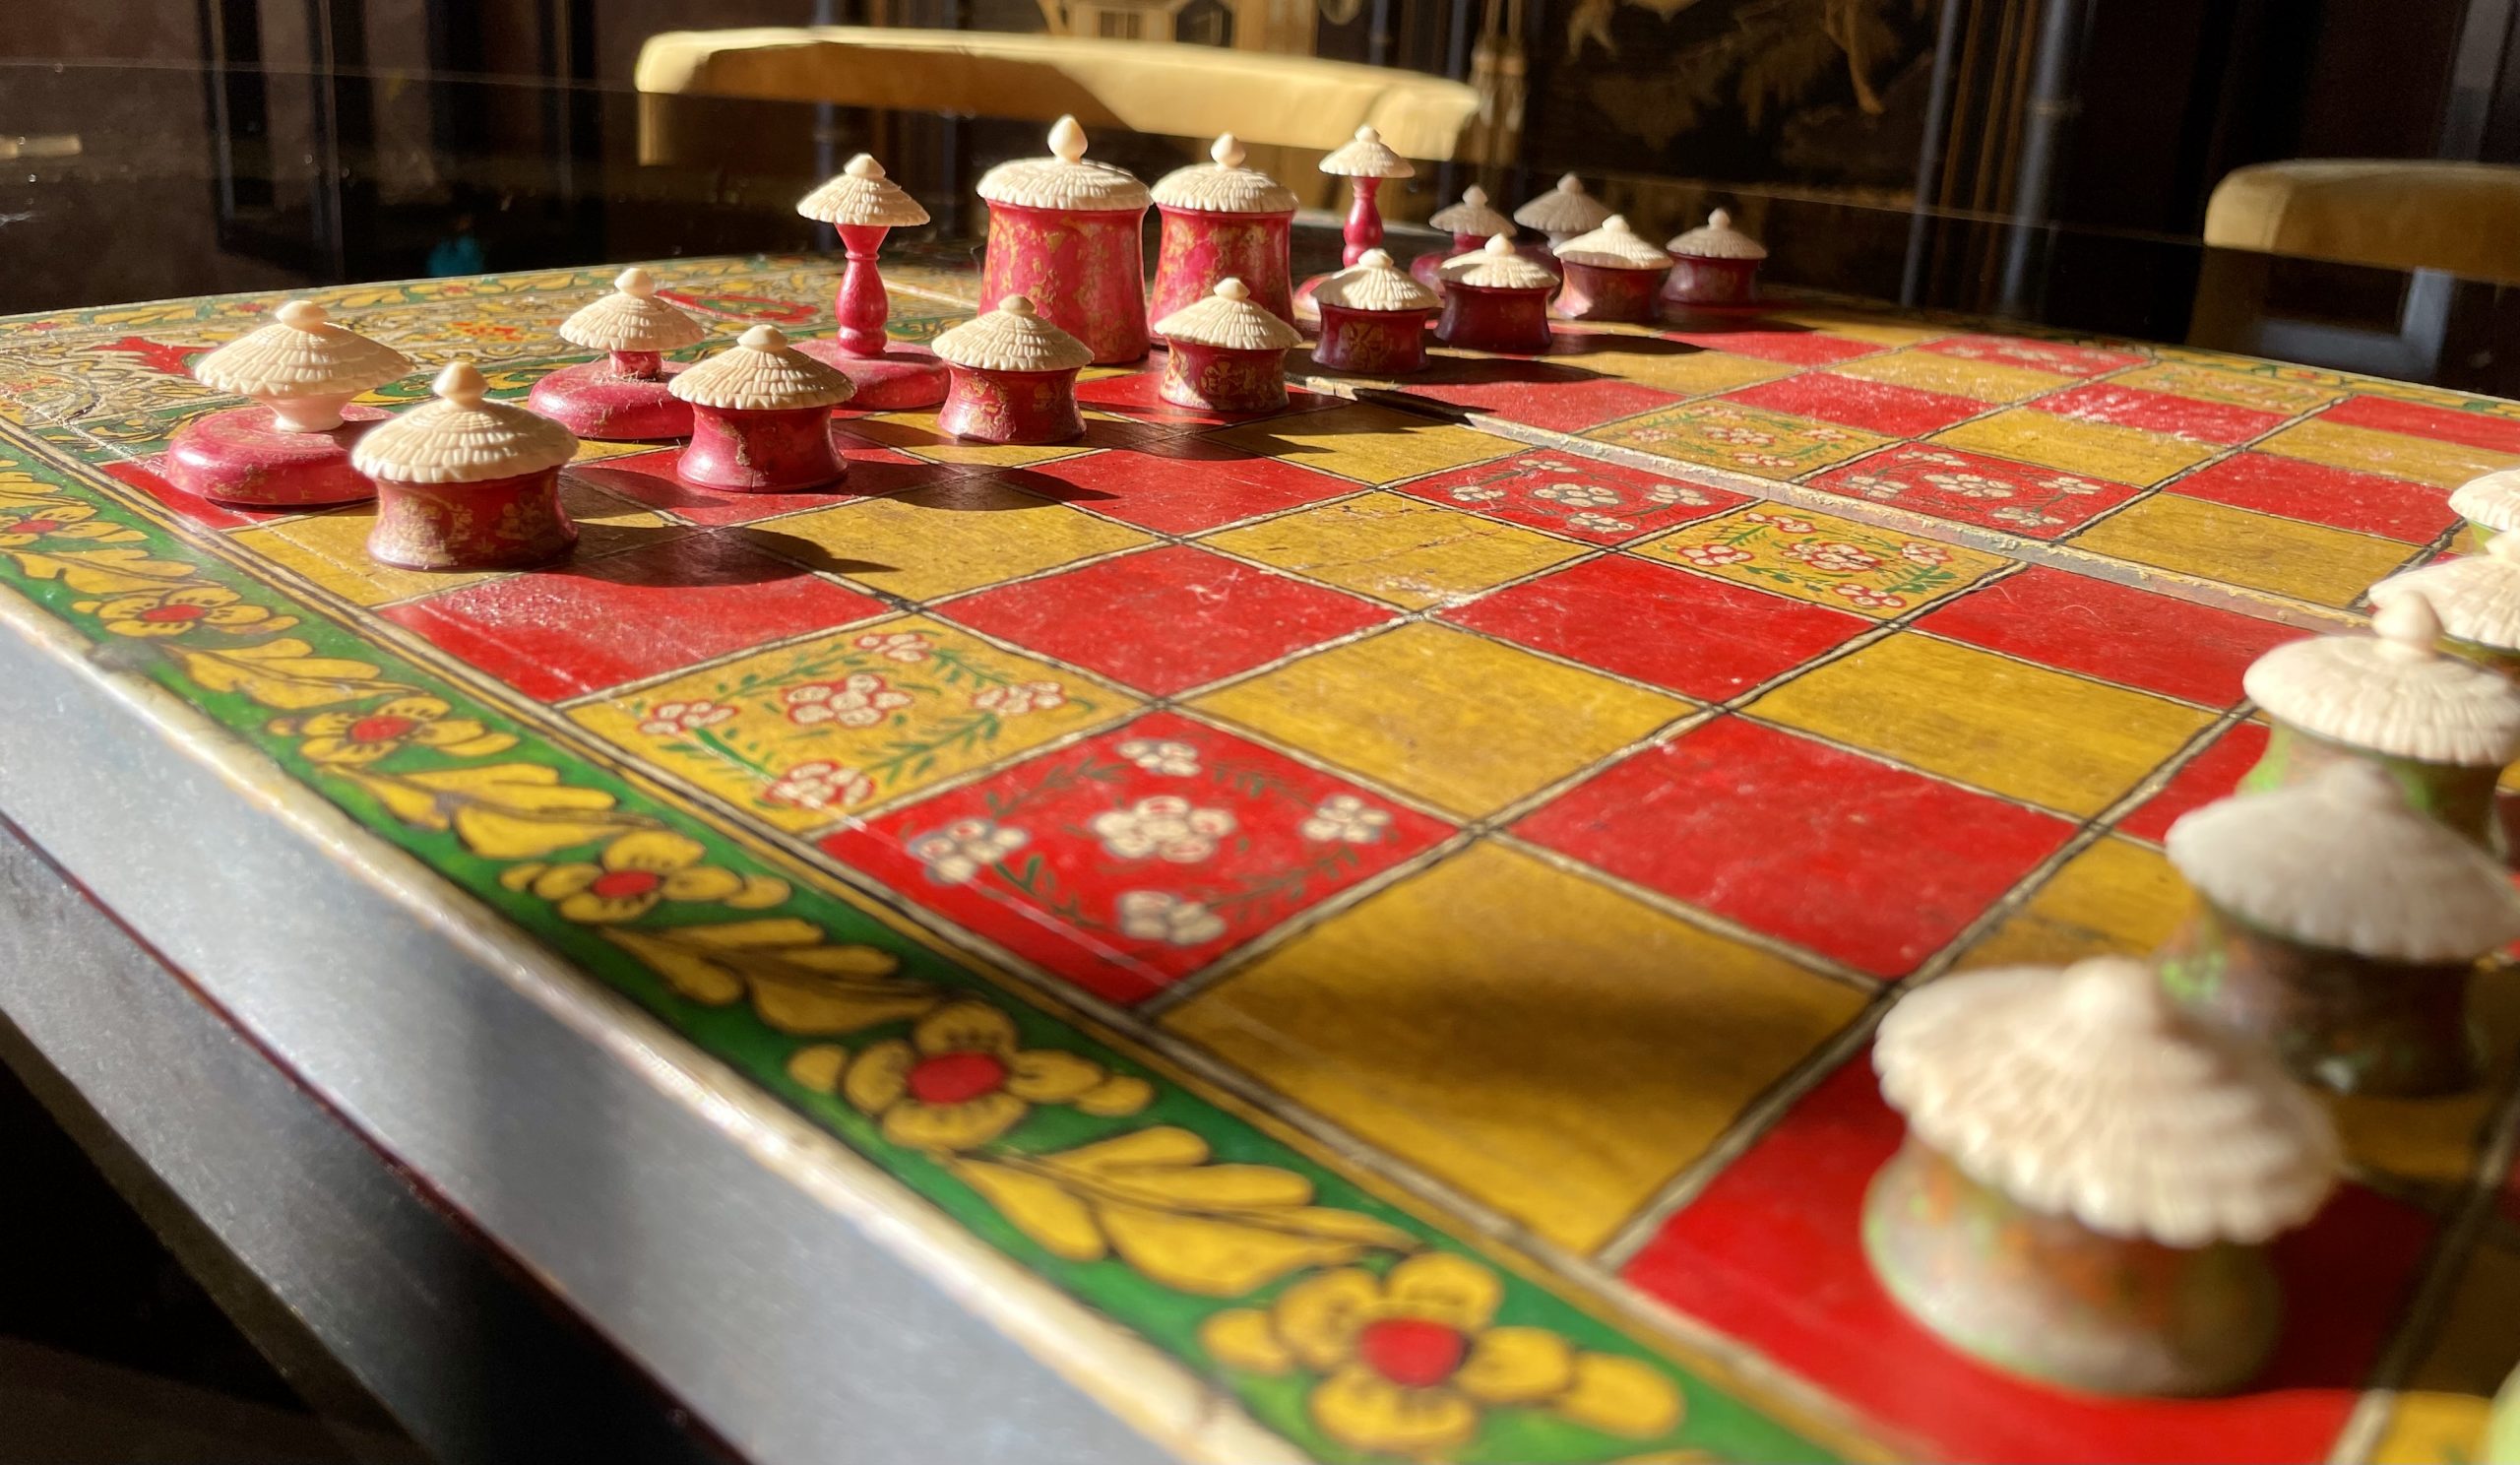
column 863, row 205
column 761, row 417
column 622, row 398
column 293, row 450
column 467, row 483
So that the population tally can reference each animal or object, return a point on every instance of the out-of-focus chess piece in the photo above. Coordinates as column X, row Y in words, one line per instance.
column 1223, row 220
column 1224, row 354
column 467, row 483
column 2090, row 1178
column 1472, row 222
column 863, row 205
column 1714, row 267
column 1496, row 301
column 1014, row 377
column 622, row 398
column 1373, row 318
column 1064, row 234
column 292, row 448
column 2476, row 596
column 1612, row 275
column 761, row 417
column 2490, row 502
column 1563, row 211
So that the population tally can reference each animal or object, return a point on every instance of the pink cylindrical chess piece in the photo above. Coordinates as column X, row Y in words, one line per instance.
column 1496, row 301
column 1714, row 267
column 761, row 419
column 1612, row 275
column 1373, row 319
column 1472, row 222
column 624, row 396
column 1224, row 354
column 1014, row 377
column 1064, row 233
column 292, row 448
column 467, row 483
column 1223, row 220
column 863, row 205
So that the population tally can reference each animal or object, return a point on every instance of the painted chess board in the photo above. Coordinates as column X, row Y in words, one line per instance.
column 1384, row 903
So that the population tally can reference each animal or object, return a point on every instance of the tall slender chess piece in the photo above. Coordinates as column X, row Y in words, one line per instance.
column 622, row 398
column 863, row 205
column 292, row 448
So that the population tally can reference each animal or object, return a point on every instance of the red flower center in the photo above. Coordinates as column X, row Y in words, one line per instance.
column 164, row 614
column 1412, row 1352
column 38, row 525
column 956, row 1077
column 625, row 884
column 383, row 728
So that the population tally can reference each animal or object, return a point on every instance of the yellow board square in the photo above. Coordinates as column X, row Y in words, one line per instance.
column 1853, row 327
column 1395, row 549
column 831, row 725
column 2439, row 1418
column 948, row 536
column 1824, row 559
column 1691, row 373
column 1740, row 439
column 1460, row 721
column 331, row 548
column 1933, row 372
column 2230, row 388
column 2444, row 464
column 917, row 433
column 2102, row 450
column 1368, row 444
column 2040, row 735
column 2116, row 897
column 2237, row 546
column 1559, row 1058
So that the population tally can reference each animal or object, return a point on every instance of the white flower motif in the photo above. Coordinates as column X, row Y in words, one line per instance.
column 1674, row 493
column 1578, row 495
column 962, row 848
column 1598, row 524
column 1945, row 460
column 1016, row 698
column 1871, row 486
column 1477, row 493
column 1165, row 757
column 1970, row 485
column 860, row 699
column 1740, row 437
column 1781, row 523
column 2073, row 486
column 1833, row 557
column 2027, row 518
column 1710, row 556
column 1159, row 916
column 897, row 646
column 1168, row 828
column 1344, row 819
column 1877, row 600
column 668, row 718
column 820, row 785
column 1924, row 554
column 1764, row 459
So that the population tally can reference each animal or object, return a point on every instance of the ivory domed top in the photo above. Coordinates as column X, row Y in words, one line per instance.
column 1564, row 210
column 1613, row 246
column 2396, row 693
column 1472, row 215
column 1064, row 179
column 2340, row 860
column 2493, row 500
column 301, row 353
column 2476, row 596
column 1366, row 156
column 862, row 197
column 1226, row 318
column 1012, row 338
column 1717, row 238
column 633, row 318
column 1496, row 264
column 463, row 437
column 1374, row 283
column 2085, row 1093
column 762, row 372
column 1223, row 185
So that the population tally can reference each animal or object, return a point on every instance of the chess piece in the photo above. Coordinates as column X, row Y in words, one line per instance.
column 1470, row 223
column 1714, row 267
column 863, row 205
column 1373, row 318
column 1496, row 301
column 467, row 483
column 1224, row 354
column 1612, row 275
column 2502, row 1424
column 2477, row 599
column 1063, row 233
column 1563, row 211
column 292, row 448
column 1364, row 161
column 2490, row 503
column 2441, row 726
column 761, row 417
column 622, row 398
column 2338, row 928
column 1014, row 377
column 1220, row 220
column 2088, row 1178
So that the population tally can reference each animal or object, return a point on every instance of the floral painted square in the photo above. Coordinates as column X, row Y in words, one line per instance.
column 2038, row 503
column 1824, row 559
column 1744, row 439
column 1133, row 858
column 802, row 735
column 2038, row 355
column 1582, row 497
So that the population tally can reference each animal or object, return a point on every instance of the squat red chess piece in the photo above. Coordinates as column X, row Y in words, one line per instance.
column 1014, row 377
column 292, row 449
column 1223, row 220
column 1714, row 266
column 1612, row 275
column 622, row 398
column 1470, row 223
column 1224, row 354
column 1064, row 233
column 761, row 417
column 1496, row 301
column 465, row 483
column 1373, row 318
column 863, row 205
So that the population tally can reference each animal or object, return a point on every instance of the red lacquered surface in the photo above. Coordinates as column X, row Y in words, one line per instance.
column 1711, row 282
column 1213, row 378
column 1604, row 293
column 903, row 377
column 785, row 451
column 496, row 524
column 1201, row 247
column 620, row 399
column 239, row 457
column 1386, row 342
column 1082, row 270
column 1494, row 320
column 1425, row 266
column 1012, row 406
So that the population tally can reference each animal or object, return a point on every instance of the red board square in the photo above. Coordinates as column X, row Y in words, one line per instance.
column 1997, row 492
column 2219, row 423
column 1139, row 394
column 559, row 633
column 2474, row 430
column 1771, row 1253
column 2037, row 355
column 2370, row 503
column 2212, row 774
column 1168, row 618
column 1796, row 347
column 1697, row 635
column 192, row 508
column 2133, row 637
column 1583, row 498
column 1537, row 393
column 1874, row 865
column 1129, row 860
column 1186, row 487
column 649, row 478
column 1856, row 401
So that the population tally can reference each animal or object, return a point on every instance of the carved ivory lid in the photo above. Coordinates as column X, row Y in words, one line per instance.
column 463, row 437
column 762, row 372
column 1496, row 264
column 2493, row 500
column 1564, row 210
column 2084, row 1091
column 861, row 195
column 632, row 319
column 2478, row 598
column 1224, row 185
column 1366, row 156
column 1064, row 179
column 1717, row 238
column 1227, row 319
column 301, row 353
column 1472, row 215
column 2341, row 861
column 1374, row 283
column 1011, row 338
column 1613, row 246
column 2394, row 693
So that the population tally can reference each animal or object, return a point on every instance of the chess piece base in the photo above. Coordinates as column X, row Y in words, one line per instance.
column 905, row 377
column 1029, row 408
column 1514, row 322
column 1719, row 284
column 1374, row 342
column 1213, row 378
column 239, row 457
column 596, row 401
column 496, row 524
column 1608, row 292
column 786, row 450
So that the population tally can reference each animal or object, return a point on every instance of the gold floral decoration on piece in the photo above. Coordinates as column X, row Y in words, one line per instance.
column 959, row 1080
column 173, row 613
column 1405, row 1362
column 390, row 726
column 636, row 873
column 61, row 520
